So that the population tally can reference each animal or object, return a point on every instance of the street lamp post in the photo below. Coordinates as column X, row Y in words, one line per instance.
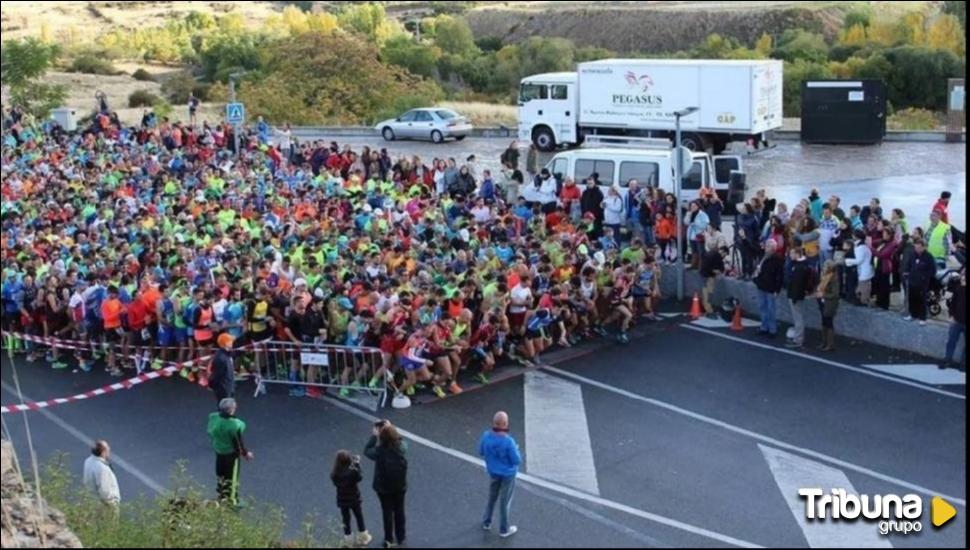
column 679, row 176
column 232, row 95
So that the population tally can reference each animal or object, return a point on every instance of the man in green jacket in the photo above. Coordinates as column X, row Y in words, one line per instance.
column 226, row 433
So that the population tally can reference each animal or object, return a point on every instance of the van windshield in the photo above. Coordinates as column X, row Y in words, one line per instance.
column 529, row 91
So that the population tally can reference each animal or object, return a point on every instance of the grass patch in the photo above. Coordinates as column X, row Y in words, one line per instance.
column 915, row 119
column 485, row 114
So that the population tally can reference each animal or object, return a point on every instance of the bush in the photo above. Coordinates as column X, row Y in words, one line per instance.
column 178, row 87
column 88, row 64
column 489, row 43
column 201, row 91
column 22, row 64
column 143, row 75
column 182, row 518
column 918, row 76
column 142, row 98
column 914, row 119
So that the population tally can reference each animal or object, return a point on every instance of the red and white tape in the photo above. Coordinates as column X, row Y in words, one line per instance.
column 123, row 385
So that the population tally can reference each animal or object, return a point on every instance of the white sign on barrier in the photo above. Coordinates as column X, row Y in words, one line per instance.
column 315, row 359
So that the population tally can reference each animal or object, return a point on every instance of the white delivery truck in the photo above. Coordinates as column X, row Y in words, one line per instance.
column 737, row 100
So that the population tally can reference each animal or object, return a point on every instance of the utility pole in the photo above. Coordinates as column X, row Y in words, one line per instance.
column 236, row 127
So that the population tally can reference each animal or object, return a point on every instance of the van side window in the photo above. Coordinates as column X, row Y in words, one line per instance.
column 644, row 172
column 558, row 91
column 559, row 168
column 585, row 167
column 528, row 92
column 693, row 179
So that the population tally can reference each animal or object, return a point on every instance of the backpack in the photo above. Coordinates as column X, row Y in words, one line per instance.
column 394, row 471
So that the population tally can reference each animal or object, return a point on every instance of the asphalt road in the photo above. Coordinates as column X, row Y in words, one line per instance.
column 679, row 425
column 903, row 175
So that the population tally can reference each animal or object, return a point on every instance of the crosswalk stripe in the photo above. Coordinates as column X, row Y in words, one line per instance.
column 925, row 373
column 558, row 446
column 791, row 473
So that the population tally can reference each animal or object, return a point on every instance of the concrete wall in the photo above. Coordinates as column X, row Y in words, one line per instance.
column 885, row 328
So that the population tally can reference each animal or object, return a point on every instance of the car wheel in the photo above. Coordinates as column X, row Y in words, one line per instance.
column 459, row 138
column 437, row 136
column 388, row 133
column 935, row 310
column 544, row 139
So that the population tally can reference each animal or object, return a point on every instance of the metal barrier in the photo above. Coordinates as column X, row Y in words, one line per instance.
column 307, row 366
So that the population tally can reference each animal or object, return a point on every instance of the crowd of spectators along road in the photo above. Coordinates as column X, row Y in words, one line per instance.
column 150, row 242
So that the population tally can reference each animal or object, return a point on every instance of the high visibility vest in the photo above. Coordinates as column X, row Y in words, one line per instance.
column 936, row 245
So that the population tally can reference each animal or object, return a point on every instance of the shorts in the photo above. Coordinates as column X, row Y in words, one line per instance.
column 166, row 336
column 114, row 335
column 639, row 293
column 411, row 365
column 391, row 345
column 204, row 343
column 181, row 335
column 479, row 352
column 136, row 337
column 532, row 334
column 516, row 320
column 94, row 329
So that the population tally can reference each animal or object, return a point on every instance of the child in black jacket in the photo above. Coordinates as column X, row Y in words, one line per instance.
column 345, row 477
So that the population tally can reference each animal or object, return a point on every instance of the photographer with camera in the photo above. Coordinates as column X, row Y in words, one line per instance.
column 345, row 477
column 388, row 452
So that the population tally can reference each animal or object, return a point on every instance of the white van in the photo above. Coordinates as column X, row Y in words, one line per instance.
column 650, row 164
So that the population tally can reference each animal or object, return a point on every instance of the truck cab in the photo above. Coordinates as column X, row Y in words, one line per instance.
column 651, row 162
column 548, row 107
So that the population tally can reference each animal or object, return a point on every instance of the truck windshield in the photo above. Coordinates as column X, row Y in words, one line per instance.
column 528, row 92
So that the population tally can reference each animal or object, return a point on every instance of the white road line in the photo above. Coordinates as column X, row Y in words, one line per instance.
column 923, row 372
column 757, row 436
column 557, row 488
column 87, row 441
column 792, row 473
column 829, row 362
column 558, row 447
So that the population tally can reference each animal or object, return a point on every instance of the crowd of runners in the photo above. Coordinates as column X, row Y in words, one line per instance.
column 142, row 245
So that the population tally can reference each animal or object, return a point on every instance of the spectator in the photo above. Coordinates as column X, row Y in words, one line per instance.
column 873, row 209
column 487, row 191
column 510, row 157
column 222, row 382
column 99, row 476
column 345, row 477
column 861, row 262
column 502, row 460
column 591, row 202
column 808, row 238
column 546, row 191
column 921, row 272
column 532, row 160
column 828, row 230
column 958, row 320
column 769, row 280
column 943, row 207
column 713, row 207
column 613, row 211
column 712, row 266
column 938, row 237
column 834, row 202
column 746, row 239
column 569, row 197
column 226, row 434
column 389, row 453
column 885, row 257
column 828, row 304
column 815, row 205
column 696, row 223
column 799, row 286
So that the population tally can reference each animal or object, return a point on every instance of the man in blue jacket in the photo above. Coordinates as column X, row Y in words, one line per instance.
column 502, row 461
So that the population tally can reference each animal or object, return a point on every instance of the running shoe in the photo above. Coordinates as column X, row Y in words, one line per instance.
column 438, row 391
column 58, row 365
column 157, row 364
column 480, row 377
column 410, row 391
column 85, row 366
column 454, row 388
column 623, row 338
column 314, row 393
column 116, row 373
column 297, row 392
column 374, row 381
column 184, row 373
column 344, row 392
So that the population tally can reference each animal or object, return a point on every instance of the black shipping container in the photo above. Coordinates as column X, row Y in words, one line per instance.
column 843, row 111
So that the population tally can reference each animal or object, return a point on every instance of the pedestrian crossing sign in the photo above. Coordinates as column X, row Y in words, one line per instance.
column 235, row 113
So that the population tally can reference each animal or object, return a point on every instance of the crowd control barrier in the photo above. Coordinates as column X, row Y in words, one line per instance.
column 349, row 370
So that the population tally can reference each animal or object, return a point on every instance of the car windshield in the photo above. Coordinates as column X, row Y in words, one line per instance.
column 446, row 114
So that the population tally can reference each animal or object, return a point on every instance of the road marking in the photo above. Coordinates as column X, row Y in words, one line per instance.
column 792, row 473
column 925, row 373
column 829, row 362
column 721, row 323
column 755, row 435
column 558, row 488
column 558, row 447
column 87, row 441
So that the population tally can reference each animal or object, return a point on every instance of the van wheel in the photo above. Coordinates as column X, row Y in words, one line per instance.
column 694, row 141
column 544, row 139
column 437, row 137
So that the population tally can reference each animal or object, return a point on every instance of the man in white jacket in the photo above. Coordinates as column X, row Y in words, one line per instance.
column 547, row 191
column 99, row 477
column 862, row 261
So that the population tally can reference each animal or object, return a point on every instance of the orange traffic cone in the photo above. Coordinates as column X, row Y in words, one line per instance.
column 736, row 321
column 695, row 308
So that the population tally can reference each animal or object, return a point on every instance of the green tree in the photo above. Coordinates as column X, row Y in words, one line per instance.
column 853, row 36
column 453, row 35
column 876, row 67
column 546, row 55
column 919, row 76
column 22, row 63
column 418, row 58
column 795, row 73
column 369, row 19
column 489, row 43
column 800, row 44
column 716, row 46
column 958, row 9
column 862, row 17
column 225, row 53
column 764, row 45
column 592, row 53
column 946, row 33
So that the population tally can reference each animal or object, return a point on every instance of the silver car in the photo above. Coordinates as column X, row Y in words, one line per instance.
column 435, row 124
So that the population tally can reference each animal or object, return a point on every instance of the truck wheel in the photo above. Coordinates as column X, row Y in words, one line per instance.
column 544, row 139
column 694, row 141
column 388, row 133
column 437, row 136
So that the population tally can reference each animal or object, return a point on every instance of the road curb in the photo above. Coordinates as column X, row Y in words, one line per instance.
column 876, row 326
